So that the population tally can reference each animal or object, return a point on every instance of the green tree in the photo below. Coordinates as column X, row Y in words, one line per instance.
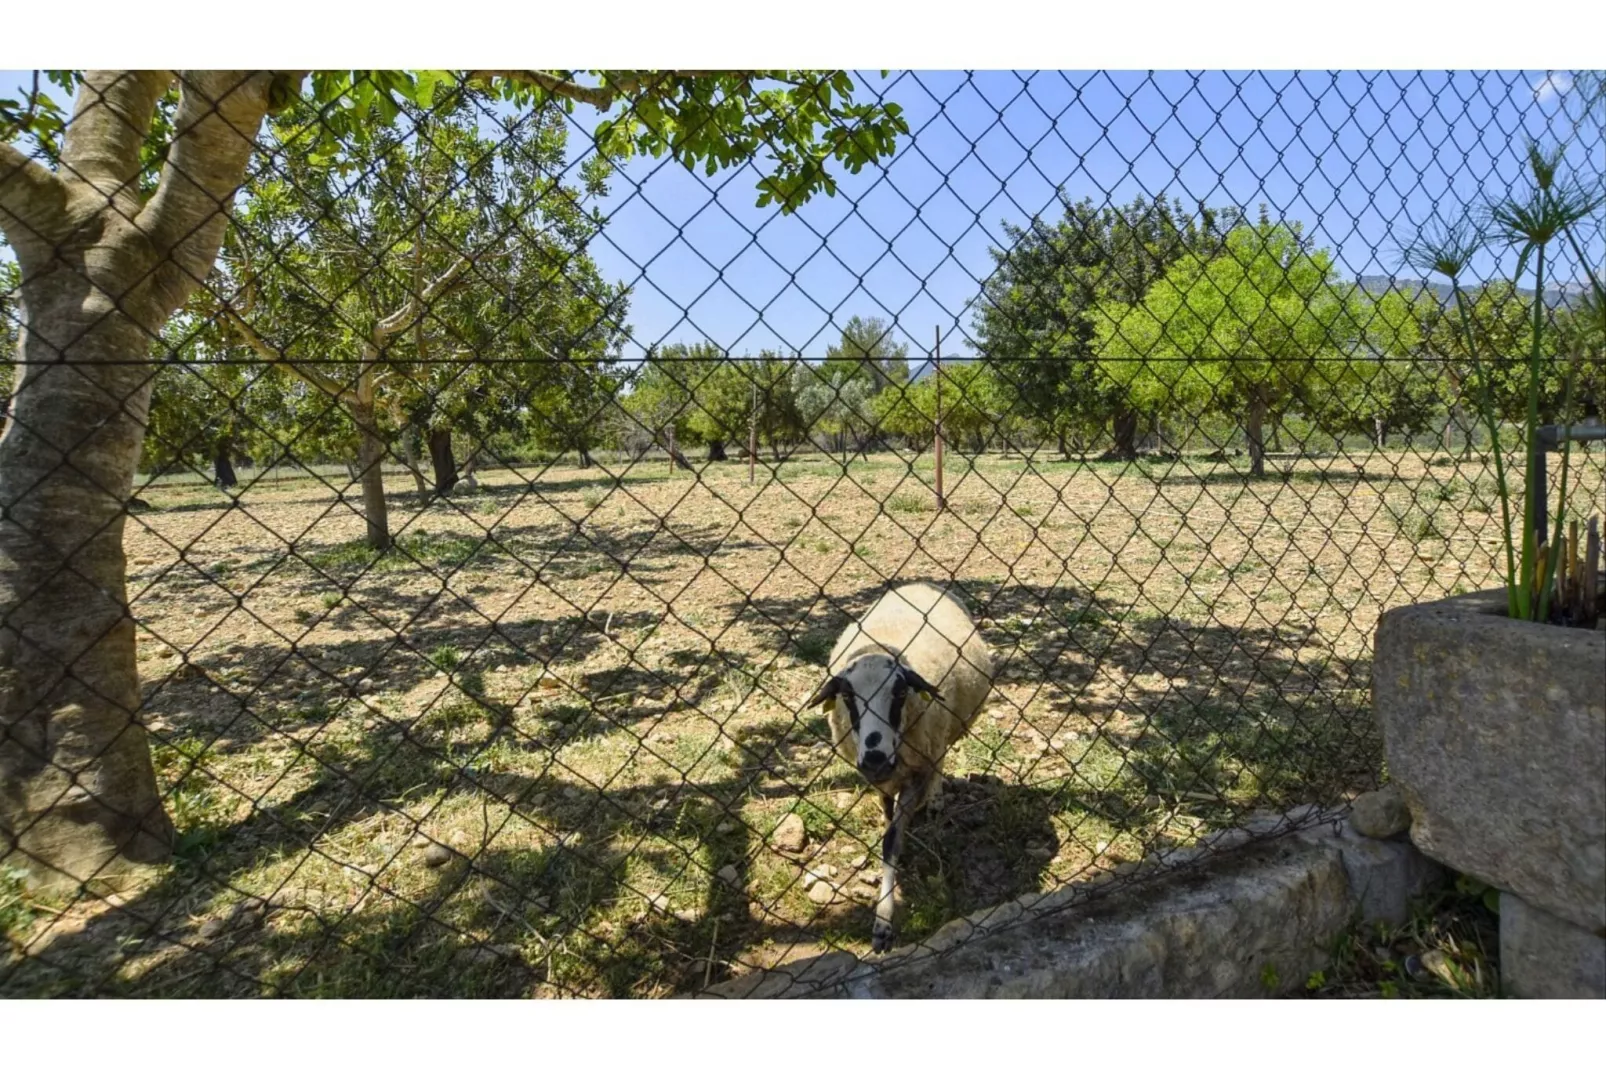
column 867, row 350
column 1500, row 318
column 836, row 402
column 1242, row 332
column 666, row 398
column 971, row 399
column 1385, row 384
column 1035, row 320
column 722, row 403
column 115, row 221
column 780, row 420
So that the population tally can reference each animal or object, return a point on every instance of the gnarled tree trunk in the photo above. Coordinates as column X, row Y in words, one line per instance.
column 1124, row 426
column 1255, row 432
column 370, row 470
column 223, row 465
column 102, row 271
column 409, row 444
column 716, row 450
column 442, row 461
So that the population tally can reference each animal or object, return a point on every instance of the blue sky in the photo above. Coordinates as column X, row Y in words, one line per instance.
column 1360, row 159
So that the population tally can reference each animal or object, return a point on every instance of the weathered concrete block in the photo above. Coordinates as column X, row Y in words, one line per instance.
column 1253, row 923
column 1544, row 957
column 1496, row 731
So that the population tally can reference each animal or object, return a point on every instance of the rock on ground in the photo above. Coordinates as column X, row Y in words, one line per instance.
column 790, row 835
column 1380, row 814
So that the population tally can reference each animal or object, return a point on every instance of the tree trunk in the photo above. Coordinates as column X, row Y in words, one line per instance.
column 441, row 459
column 1379, row 431
column 1255, row 430
column 370, row 461
column 469, row 479
column 1456, row 419
column 1276, row 435
column 103, row 268
column 78, row 794
column 1065, row 452
column 223, row 466
column 585, row 457
column 716, row 450
column 409, row 443
column 1125, row 428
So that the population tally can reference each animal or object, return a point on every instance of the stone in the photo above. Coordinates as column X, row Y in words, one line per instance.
column 1437, row 963
column 365, row 685
column 1546, row 957
column 821, row 892
column 1495, row 730
column 212, row 927
column 1220, row 931
column 729, row 875
column 1380, row 814
column 790, row 835
column 437, row 855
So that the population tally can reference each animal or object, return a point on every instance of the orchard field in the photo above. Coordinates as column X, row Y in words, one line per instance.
column 542, row 746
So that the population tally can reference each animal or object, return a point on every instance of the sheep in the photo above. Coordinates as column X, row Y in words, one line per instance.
column 906, row 682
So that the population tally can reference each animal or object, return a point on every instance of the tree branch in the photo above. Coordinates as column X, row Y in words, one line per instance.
column 258, row 345
column 33, row 201
column 111, row 118
column 214, row 133
column 415, row 304
column 616, row 84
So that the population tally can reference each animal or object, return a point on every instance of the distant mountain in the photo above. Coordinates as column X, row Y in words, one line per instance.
column 1565, row 296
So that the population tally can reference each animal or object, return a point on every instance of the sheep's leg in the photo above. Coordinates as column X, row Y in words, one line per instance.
column 898, row 815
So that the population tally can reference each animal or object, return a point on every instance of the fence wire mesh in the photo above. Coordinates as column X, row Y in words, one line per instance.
column 432, row 499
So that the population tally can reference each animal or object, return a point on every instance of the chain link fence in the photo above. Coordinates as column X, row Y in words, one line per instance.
column 422, row 540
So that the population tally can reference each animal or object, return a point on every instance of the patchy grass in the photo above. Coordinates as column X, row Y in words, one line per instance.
column 1447, row 949
column 17, row 908
column 578, row 734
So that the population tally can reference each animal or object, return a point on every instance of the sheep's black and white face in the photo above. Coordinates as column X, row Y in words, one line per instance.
column 874, row 691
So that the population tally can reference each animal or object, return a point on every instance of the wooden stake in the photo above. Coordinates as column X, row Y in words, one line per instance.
column 936, row 354
column 752, row 438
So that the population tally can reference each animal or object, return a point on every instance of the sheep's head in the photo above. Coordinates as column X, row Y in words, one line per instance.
column 873, row 690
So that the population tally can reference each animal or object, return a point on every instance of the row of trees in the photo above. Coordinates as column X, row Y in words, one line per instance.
column 1116, row 313
column 430, row 283
column 1119, row 317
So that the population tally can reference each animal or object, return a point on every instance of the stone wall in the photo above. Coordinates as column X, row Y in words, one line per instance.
column 1253, row 922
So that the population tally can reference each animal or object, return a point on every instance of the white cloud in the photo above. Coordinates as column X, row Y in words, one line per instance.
column 1552, row 85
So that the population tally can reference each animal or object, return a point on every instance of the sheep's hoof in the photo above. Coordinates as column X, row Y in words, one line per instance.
column 881, row 938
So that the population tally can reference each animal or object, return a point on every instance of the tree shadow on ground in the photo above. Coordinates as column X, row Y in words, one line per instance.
column 569, row 879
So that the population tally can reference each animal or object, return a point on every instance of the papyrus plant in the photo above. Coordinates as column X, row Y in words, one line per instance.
column 1536, row 224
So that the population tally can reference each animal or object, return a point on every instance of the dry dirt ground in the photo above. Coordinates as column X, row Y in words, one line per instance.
column 543, row 745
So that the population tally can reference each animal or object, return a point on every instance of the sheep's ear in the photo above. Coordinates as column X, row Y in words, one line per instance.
column 918, row 684
column 828, row 691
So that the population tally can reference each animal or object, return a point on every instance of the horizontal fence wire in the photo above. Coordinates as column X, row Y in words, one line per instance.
column 432, row 500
